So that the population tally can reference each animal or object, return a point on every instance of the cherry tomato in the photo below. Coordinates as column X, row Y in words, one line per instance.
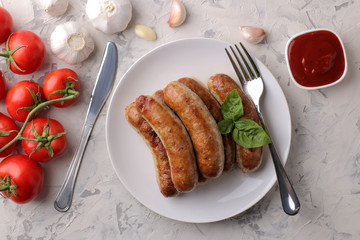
column 2, row 86
column 61, row 83
column 23, row 178
column 22, row 98
column 8, row 131
column 25, row 52
column 6, row 25
column 51, row 136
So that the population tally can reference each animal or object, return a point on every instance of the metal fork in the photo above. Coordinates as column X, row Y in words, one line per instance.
column 252, row 84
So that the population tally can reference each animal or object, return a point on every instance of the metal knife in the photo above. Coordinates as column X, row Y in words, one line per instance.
column 103, row 84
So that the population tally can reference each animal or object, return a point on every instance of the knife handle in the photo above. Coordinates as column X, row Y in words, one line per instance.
column 64, row 198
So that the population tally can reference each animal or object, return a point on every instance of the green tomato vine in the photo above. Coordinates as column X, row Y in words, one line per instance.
column 42, row 105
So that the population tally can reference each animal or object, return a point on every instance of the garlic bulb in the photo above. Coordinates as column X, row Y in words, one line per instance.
column 71, row 43
column 177, row 13
column 252, row 34
column 55, row 7
column 109, row 16
column 145, row 32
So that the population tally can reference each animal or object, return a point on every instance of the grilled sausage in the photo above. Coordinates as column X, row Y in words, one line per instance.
column 220, row 85
column 201, row 126
column 161, row 161
column 175, row 139
column 215, row 110
column 159, row 95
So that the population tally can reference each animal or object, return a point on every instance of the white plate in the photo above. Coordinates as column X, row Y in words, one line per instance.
column 218, row 199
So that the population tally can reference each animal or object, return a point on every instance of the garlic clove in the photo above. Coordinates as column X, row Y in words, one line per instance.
column 177, row 13
column 71, row 43
column 55, row 7
column 109, row 16
column 145, row 32
column 252, row 34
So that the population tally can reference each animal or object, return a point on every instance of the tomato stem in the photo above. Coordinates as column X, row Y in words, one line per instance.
column 68, row 90
column 44, row 140
column 36, row 97
column 8, row 54
column 34, row 111
column 7, row 185
column 6, row 133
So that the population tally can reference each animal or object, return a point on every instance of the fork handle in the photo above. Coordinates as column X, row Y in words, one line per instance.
column 289, row 199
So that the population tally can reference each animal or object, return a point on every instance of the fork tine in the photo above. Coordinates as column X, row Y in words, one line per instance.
column 235, row 67
column 245, row 74
column 252, row 76
column 251, row 61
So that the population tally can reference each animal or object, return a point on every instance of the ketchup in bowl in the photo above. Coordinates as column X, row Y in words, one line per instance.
column 316, row 59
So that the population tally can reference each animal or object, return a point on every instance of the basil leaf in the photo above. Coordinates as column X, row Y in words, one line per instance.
column 225, row 126
column 232, row 108
column 249, row 134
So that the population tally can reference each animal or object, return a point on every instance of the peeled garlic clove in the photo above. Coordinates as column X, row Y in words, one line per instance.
column 71, row 43
column 252, row 34
column 55, row 7
column 145, row 32
column 109, row 16
column 177, row 13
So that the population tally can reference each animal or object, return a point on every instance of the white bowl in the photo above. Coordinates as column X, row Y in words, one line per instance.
column 290, row 70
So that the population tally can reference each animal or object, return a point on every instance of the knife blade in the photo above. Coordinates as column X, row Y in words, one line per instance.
column 102, row 87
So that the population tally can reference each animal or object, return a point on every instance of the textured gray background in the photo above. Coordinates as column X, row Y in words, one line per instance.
column 324, row 160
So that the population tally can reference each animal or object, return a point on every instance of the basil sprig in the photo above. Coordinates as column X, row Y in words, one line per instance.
column 245, row 132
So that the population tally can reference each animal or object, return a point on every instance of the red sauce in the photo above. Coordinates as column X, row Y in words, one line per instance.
column 316, row 58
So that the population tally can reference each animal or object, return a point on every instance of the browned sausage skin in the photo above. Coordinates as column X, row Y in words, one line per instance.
column 220, row 85
column 201, row 126
column 161, row 161
column 214, row 108
column 159, row 96
column 175, row 139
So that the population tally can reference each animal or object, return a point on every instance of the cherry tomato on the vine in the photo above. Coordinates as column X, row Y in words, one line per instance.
column 6, row 25
column 22, row 98
column 24, row 52
column 22, row 178
column 8, row 131
column 61, row 83
column 51, row 139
